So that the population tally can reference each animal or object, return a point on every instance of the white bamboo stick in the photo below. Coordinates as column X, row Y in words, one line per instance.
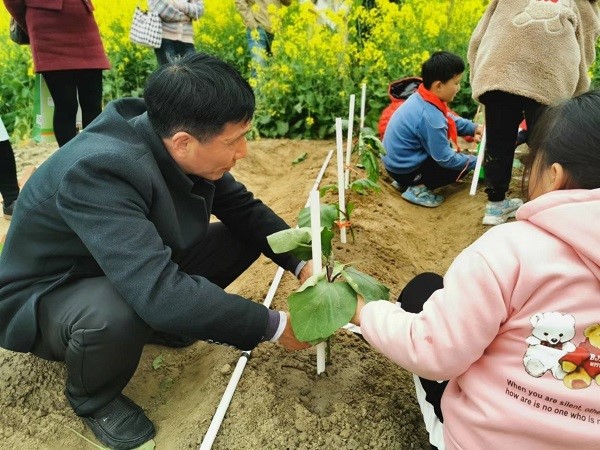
column 478, row 164
column 349, row 140
column 340, row 174
column 363, row 101
column 315, row 225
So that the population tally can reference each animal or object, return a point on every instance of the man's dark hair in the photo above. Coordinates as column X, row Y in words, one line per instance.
column 198, row 94
column 441, row 66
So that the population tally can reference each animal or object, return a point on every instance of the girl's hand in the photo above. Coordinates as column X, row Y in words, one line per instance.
column 359, row 306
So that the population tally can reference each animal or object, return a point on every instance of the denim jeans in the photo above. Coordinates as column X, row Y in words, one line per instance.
column 170, row 50
column 259, row 45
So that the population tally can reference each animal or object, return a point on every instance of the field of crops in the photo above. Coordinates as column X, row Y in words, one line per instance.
column 311, row 74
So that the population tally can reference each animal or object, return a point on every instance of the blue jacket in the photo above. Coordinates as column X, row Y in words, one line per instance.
column 417, row 130
column 112, row 202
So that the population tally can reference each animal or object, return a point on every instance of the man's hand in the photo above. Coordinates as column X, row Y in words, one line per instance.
column 306, row 272
column 288, row 338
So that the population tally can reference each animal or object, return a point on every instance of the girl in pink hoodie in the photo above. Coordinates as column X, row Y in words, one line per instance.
column 514, row 325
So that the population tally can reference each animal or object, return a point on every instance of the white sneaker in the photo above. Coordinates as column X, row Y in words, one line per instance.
column 497, row 213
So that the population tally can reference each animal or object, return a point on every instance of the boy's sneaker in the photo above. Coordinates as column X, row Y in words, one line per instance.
column 397, row 186
column 420, row 195
column 499, row 212
column 121, row 424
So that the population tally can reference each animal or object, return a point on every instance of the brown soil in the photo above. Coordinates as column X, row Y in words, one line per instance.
column 363, row 401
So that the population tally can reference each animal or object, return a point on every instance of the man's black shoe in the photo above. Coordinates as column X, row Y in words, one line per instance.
column 170, row 340
column 121, row 424
column 8, row 210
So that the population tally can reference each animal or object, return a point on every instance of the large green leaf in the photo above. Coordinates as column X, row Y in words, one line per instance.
column 370, row 163
column 375, row 144
column 317, row 311
column 368, row 287
column 297, row 241
column 329, row 214
column 364, row 185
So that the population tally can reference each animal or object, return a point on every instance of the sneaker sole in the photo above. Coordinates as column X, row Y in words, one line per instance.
column 421, row 204
column 498, row 220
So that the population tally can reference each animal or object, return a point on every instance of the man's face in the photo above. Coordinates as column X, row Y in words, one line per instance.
column 211, row 159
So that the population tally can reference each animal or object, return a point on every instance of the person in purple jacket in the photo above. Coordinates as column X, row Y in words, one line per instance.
column 421, row 137
column 514, row 324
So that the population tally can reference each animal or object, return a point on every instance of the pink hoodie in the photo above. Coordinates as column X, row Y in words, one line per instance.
column 517, row 307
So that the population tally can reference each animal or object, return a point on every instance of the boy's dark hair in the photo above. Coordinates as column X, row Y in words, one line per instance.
column 198, row 94
column 568, row 134
column 441, row 66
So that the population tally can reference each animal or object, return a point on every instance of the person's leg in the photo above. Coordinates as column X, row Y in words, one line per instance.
column 63, row 89
column 89, row 92
column 89, row 326
column 166, row 52
column 219, row 257
column 258, row 47
column 417, row 186
column 184, row 49
column 429, row 392
column 9, row 186
column 268, row 39
column 533, row 111
column 435, row 176
column 503, row 114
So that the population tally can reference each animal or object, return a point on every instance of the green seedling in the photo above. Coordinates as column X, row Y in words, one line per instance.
column 327, row 300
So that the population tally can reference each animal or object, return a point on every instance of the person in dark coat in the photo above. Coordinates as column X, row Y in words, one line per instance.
column 9, row 186
column 112, row 246
column 67, row 50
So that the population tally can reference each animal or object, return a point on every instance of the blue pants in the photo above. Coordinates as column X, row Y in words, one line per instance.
column 259, row 45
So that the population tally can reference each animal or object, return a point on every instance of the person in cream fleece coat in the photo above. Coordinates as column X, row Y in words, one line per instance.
column 511, row 307
column 523, row 55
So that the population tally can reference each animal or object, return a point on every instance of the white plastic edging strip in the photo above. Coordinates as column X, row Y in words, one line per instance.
column 217, row 420
column 478, row 164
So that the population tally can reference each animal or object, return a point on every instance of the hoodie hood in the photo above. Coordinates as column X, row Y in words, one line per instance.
column 573, row 216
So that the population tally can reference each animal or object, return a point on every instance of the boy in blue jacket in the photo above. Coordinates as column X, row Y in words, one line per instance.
column 421, row 136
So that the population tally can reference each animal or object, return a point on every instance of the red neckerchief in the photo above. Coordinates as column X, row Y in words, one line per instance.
column 435, row 101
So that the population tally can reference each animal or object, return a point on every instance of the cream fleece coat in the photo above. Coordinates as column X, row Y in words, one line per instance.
column 538, row 49
column 514, row 302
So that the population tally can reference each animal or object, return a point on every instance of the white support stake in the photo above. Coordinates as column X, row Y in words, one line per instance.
column 349, row 140
column 478, row 164
column 363, row 100
column 340, row 174
column 315, row 225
